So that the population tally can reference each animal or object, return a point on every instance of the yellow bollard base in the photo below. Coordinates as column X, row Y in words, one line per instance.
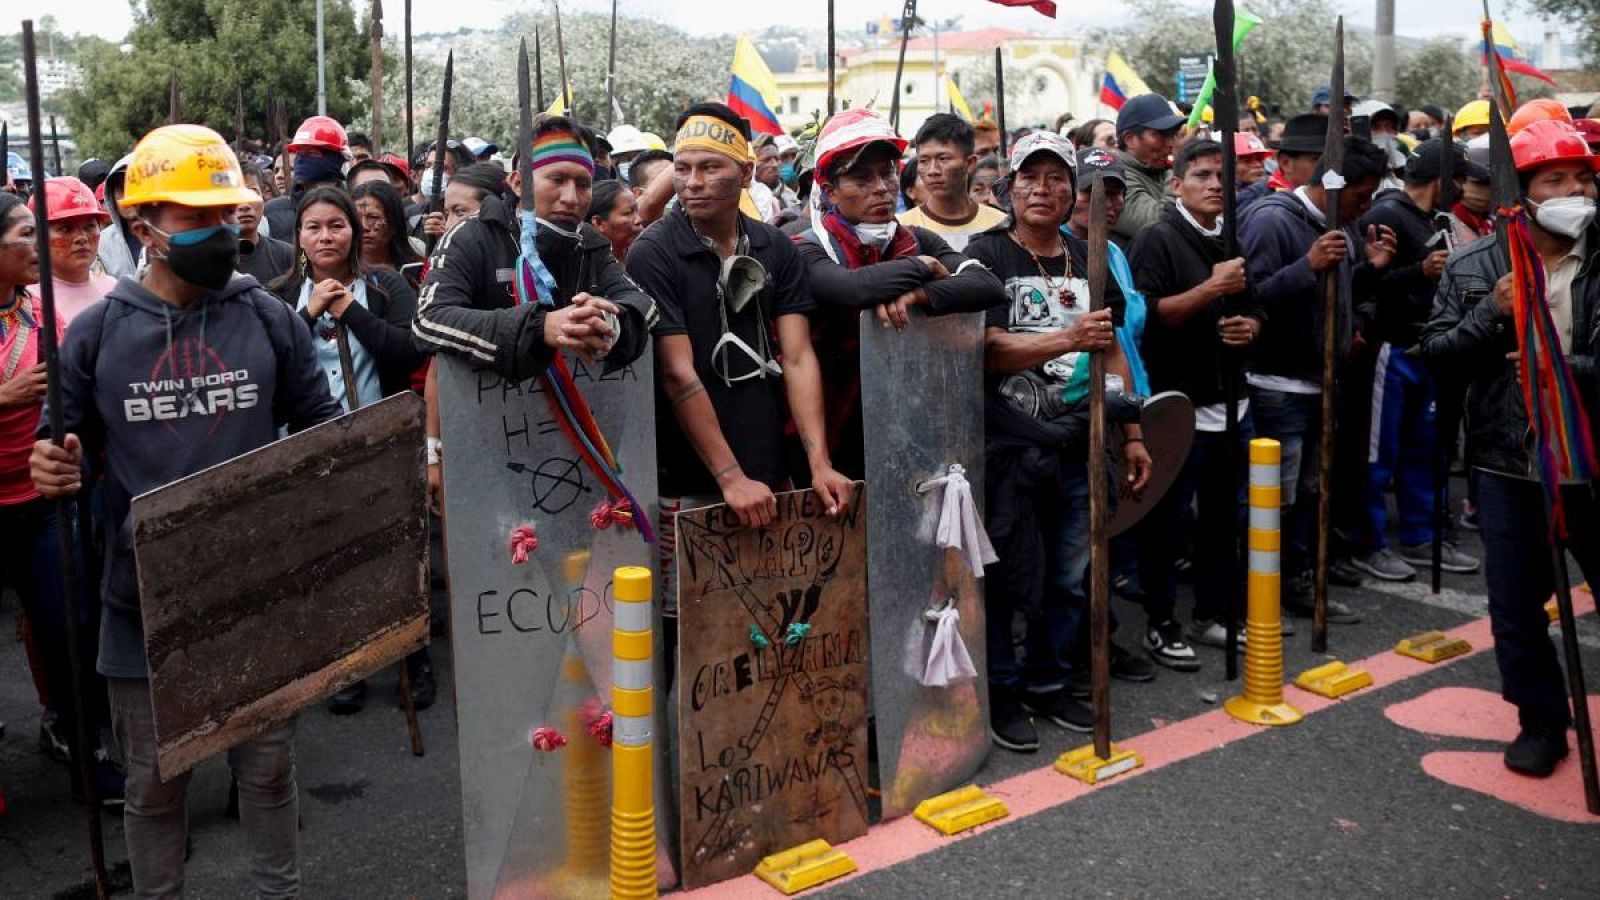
column 1262, row 713
column 1087, row 766
column 1432, row 647
column 958, row 810
column 1333, row 680
column 807, row 865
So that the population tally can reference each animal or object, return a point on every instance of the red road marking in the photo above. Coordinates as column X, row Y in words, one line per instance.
column 1033, row 792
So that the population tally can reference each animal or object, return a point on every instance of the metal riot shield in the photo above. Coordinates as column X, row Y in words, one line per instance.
column 1167, row 422
column 532, row 641
column 772, row 683
column 922, row 390
column 244, row 626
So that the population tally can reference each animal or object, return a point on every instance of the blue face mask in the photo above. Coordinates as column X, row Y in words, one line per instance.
column 787, row 172
column 196, row 236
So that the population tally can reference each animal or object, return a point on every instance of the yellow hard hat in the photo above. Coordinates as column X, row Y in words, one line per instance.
column 1473, row 115
column 189, row 165
column 653, row 142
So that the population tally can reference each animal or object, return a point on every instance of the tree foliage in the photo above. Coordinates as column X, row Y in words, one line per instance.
column 1583, row 15
column 660, row 71
column 218, row 48
column 1444, row 71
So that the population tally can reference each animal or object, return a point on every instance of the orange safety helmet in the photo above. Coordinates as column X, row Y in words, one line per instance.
column 70, row 198
column 1543, row 109
column 320, row 133
column 1543, row 143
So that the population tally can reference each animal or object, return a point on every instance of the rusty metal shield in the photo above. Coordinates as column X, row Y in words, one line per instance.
column 532, row 641
column 243, row 626
column 922, row 392
column 772, row 692
column 1167, row 421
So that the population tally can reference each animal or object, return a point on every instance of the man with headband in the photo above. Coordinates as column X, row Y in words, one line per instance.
column 726, row 283
column 858, row 257
column 468, row 304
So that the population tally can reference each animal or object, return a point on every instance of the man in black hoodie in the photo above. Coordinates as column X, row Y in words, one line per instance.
column 1201, row 311
column 182, row 369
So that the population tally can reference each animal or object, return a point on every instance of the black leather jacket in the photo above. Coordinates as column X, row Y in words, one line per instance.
column 1467, row 338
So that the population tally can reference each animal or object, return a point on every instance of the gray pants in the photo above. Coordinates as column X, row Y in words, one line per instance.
column 155, row 818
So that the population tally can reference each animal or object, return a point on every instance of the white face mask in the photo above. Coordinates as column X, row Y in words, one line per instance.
column 878, row 235
column 1566, row 216
column 425, row 184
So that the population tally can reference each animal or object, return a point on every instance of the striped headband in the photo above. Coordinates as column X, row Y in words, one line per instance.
column 558, row 147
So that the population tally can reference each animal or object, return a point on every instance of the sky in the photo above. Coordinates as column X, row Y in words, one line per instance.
column 1414, row 18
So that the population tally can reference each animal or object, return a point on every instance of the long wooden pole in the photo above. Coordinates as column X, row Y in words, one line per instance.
column 441, row 145
column 833, row 57
column 411, row 138
column 174, row 98
column 908, row 19
column 1225, row 111
column 83, row 753
column 538, row 71
column 377, row 78
column 1099, row 489
column 569, row 102
column 1332, row 161
column 1000, row 103
column 611, row 69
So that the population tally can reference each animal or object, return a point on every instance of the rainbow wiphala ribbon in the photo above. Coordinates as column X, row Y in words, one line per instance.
column 1563, row 443
column 535, row 284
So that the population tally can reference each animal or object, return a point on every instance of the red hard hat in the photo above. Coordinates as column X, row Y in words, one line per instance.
column 1543, row 143
column 1590, row 129
column 398, row 163
column 320, row 132
column 1246, row 145
column 1543, row 109
column 70, row 198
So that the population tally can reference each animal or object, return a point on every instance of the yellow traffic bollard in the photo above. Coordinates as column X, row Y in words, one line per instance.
column 1262, row 702
column 633, row 815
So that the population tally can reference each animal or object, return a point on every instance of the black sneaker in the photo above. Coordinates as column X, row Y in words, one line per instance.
column 1537, row 749
column 1080, row 682
column 349, row 701
column 1128, row 588
column 52, row 738
column 1304, row 606
column 424, row 688
column 1059, row 707
column 1127, row 667
column 1165, row 644
column 1009, row 725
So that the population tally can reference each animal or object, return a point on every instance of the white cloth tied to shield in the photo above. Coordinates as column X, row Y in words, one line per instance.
column 945, row 661
column 951, row 520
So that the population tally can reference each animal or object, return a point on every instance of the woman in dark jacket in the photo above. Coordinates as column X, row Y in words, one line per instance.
column 331, row 288
column 384, row 242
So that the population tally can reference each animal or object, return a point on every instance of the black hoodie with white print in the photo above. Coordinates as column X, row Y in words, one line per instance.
column 165, row 392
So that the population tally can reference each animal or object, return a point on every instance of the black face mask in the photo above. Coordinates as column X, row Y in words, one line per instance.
column 204, row 257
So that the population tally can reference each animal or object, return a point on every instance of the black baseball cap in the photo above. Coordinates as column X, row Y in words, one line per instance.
column 1427, row 161
column 1098, row 163
column 1150, row 111
column 1305, row 133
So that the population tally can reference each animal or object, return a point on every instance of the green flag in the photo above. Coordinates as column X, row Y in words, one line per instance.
column 1244, row 23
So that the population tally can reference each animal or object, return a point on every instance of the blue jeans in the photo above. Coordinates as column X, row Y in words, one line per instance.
column 1222, row 504
column 1294, row 421
column 1402, row 450
column 1521, row 576
column 1053, row 631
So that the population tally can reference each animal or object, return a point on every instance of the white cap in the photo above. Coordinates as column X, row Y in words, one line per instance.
column 626, row 139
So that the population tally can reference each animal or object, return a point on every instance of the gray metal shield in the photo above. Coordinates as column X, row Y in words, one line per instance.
column 772, row 692
column 1167, row 422
column 532, row 642
column 922, row 401
column 277, row 578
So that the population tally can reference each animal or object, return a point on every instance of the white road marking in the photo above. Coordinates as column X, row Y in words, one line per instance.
column 1469, row 603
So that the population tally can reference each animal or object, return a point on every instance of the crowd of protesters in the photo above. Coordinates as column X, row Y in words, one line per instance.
column 265, row 261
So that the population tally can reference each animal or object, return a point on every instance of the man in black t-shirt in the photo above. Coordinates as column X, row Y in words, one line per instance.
column 720, row 388
column 1037, row 345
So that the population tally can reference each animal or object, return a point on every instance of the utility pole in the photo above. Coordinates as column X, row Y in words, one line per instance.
column 322, row 81
column 1383, row 53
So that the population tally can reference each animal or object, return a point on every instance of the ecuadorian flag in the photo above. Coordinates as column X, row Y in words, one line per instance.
column 1512, row 59
column 1120, row 82
column 753, row 92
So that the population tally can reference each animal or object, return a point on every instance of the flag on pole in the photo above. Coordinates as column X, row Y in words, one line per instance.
column 1512, row 59
column 956, row 100
column 1244, row 22
column 558, row 107
column 1120, row 82
column 753, row 92
column 1043, row 7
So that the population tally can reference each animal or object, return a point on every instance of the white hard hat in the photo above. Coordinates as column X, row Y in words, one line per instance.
column 626, row 139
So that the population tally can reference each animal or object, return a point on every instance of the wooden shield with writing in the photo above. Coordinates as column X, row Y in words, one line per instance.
column 772, row 683
column 277, row 578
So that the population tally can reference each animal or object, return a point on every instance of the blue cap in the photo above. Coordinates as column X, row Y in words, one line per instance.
column 1323, row 96
column 1150, row 111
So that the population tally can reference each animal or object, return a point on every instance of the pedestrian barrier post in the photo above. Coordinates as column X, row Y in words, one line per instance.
column 1262, row 701
column 633, row 817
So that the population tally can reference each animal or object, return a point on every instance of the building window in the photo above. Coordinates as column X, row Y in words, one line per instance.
column 794, row 105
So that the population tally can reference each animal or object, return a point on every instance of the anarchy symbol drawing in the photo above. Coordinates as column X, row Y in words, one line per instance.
column 556, row 484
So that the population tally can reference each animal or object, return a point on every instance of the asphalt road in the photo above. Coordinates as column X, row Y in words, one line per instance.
column 1337, row 805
